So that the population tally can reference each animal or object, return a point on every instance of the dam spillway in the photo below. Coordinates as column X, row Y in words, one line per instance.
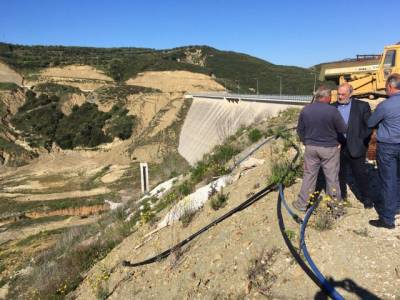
column 214, row 117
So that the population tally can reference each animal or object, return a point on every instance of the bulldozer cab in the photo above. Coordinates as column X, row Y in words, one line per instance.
column 367, row 75
column 390, row 63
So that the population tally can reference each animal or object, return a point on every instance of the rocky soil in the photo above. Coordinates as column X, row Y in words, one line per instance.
column 246, row 256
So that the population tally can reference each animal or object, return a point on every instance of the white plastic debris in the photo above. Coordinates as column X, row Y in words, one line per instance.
column 161, row 189
column 192, row 202
column 113, row 205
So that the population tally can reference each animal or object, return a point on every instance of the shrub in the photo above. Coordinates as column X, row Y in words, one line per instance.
column 327, row 212
column 55, row 88
column 223, row 153
column 198, row 171
column 185, row 188
column 187, row 218
column 122, row 126
column 291, row 235
column 83, row 127
column 219, row 200
column 283, row 172
column 254, row 135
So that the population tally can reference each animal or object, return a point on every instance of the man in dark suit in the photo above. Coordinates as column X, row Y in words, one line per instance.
column 354, row 143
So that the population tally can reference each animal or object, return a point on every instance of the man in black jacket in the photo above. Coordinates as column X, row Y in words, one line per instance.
column 354, row 142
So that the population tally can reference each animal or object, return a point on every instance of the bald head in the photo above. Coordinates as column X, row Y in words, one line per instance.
column 344, row 91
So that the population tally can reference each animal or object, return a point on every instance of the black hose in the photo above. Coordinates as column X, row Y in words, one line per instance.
column 249, row 201
column 238, row 208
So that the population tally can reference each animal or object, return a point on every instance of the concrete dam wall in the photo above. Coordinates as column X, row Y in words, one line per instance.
column 209, row 122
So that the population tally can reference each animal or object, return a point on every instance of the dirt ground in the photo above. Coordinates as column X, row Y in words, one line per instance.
column 361, row 261
column 75, row 71
column 21, row 233
column 9, row 75
column 173, row 81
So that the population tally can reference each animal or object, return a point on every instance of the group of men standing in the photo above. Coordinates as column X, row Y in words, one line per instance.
column 336, row 138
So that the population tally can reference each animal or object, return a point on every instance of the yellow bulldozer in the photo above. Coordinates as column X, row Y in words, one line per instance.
column 367, row 73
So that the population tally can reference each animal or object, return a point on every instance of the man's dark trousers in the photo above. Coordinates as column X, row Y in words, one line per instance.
column 388, row 159
column 358, row 169
column 354, row 148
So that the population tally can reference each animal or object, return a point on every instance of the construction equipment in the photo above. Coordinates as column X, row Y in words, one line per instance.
column 367, row 73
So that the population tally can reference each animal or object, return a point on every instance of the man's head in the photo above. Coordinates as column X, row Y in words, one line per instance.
column 344, row 92
column 323, row 95
column 393, row 84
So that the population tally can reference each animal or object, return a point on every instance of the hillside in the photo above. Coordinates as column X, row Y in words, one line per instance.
column 236, row 71
column 245, row 257
column 73, row 132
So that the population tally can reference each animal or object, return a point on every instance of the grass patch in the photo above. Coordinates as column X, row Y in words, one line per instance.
column 56, row 88
column 255, row 135
column 39, row 237
column 95, row 180
column 187, row 218
column 11, row 207
column 219, row 200
column 327, row 212
column 31, row 222
column 8, row 86
column 213, row 165
column 60, row 269
column 284, row 172
column 291, row 235
column 123, row 91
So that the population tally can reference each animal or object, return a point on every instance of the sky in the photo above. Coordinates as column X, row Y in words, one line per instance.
column 300, row 33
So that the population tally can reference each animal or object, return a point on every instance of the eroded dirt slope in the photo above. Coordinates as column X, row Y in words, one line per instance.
column 245, row 257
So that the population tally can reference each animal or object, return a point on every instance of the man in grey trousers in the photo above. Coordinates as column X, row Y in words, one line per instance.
column 318, row 127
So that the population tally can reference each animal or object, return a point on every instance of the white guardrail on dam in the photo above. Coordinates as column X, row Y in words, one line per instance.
column 287, row 99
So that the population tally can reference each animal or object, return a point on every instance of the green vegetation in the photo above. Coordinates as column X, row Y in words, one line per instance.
column 8, row 86
column 291, row 235
column 187, row 218
column 122, row 91
column 238, row 72
column 213, row 165
column 254, row 135
column 185, row 188
column 219, row 200
column 39, row 236
column 121, row 124
column 10, row 206
column 43, row 122
column 30, row 222
column 283, row 171
column 58, row 270
column 55, row 88
column 327, row 212
column 38, row 117
column 83, row 127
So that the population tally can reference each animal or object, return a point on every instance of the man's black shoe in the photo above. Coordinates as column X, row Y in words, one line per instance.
column 382, row 224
